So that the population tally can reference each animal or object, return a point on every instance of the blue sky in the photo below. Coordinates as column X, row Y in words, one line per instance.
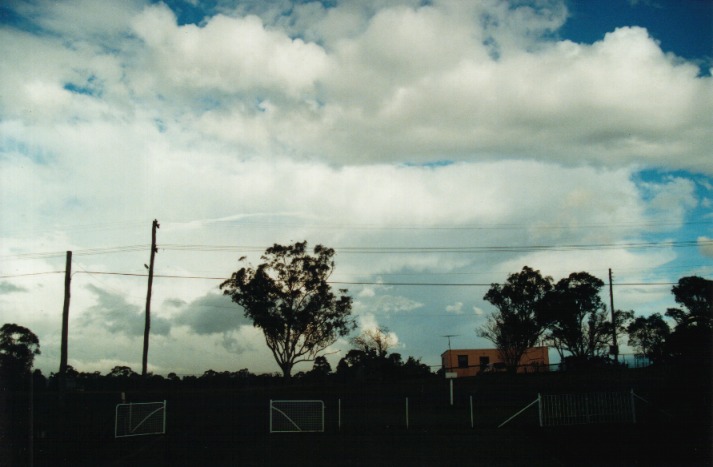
column 684, row 28
column 437, row 146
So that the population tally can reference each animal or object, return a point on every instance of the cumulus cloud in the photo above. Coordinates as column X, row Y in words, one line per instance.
column 670, row 199
column 456, row 308
column 115, row 314
column 229, row 55
column 409, row 83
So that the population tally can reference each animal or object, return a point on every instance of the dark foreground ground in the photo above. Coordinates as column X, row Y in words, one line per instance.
column 606, row 446
column 230, row 426
column 580, row 446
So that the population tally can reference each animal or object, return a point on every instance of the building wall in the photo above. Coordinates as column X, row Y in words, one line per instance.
column 470, row 362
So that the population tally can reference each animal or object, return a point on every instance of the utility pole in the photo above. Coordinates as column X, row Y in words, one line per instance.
column 147, row 326
column 615, row 347
column 65, row 322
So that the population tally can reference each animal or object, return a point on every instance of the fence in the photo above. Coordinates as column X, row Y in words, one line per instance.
column 137, row 419
column 582, row 409
column 296, row 415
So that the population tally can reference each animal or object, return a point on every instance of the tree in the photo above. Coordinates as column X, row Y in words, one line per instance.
column 648, row 336
column 692, row 337
column 121, row 371
column 576, row 317
column 376, row 340
column 18, row 347
column 289, row 299
column 696, row 295
column 321, row 366
column 516, row 325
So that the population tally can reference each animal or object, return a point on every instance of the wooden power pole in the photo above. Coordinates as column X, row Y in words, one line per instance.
column 147, row 326
column 65, row 322
column 615, row 346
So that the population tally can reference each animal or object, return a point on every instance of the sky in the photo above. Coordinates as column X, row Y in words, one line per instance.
column 437, row 146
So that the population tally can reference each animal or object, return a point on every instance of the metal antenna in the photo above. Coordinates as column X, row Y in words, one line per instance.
column 450, row 353
column 449, row 339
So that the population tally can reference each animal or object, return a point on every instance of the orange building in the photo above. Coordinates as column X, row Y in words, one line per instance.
column 470, row 362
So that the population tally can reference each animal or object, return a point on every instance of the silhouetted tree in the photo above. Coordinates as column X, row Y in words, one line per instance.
column 696, row 295
column 648, row 335
column 121, row 371
column 377, row 341
column 353, row 364
column 289, row 299
column 413, row 368
column 576, row 317
column 516, row 325
column 321, row 366
column 692, row 336
column 18, row 347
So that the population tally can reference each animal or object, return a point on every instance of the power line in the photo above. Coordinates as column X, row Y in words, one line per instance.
column 458, row 249
column 381, row 250
column 85, row 252
column 9, row 276
column 388, row 284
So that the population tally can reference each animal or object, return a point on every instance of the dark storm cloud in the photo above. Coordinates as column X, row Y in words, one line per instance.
column 115, row 314
column 6, row 287
column 211, row 314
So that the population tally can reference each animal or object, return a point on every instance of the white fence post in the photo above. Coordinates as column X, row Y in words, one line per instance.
column 539, row 406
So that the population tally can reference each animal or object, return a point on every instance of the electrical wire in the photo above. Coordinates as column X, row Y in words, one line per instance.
column 386, row 284
column 379, row 249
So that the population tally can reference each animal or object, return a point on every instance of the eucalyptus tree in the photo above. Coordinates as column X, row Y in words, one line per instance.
column 648, row 335
column 18, row 348
column 289, row 298
column 576, row 317
column 517, row 323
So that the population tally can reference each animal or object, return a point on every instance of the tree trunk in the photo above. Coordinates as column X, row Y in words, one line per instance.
column 286, row 368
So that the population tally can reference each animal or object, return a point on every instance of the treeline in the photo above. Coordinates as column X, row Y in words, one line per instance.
column 357, row 366
column 570, row 316
column 368, row 360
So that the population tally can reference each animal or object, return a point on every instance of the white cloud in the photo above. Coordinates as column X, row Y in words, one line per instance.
column 229, row 55
column 671, row 199
column 705, row 246
column 456, row 308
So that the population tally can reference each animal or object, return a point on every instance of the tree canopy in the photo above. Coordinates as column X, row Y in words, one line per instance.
column 576, row 316
column 517, row 324
column 18, row 347
column 289, row 298
column 692, row 336
column 696, row 295
column 648, row 336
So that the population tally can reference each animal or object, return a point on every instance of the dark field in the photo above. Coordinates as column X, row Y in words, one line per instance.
column 230, row 425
